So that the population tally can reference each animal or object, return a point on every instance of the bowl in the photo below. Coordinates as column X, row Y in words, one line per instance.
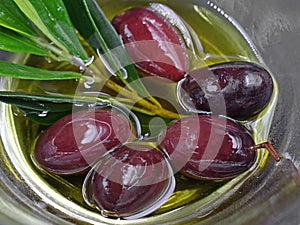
column 271, row 32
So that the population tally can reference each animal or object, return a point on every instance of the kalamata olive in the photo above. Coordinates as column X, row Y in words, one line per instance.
column 245, row 89
column 74, row 142
column 210, row 147
column 154, row 45
column 130, row 182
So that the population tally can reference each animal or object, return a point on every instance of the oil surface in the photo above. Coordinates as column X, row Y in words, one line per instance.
column 221, row 41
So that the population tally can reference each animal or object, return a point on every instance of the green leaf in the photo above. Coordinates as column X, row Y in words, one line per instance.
column 82, row 22
column 14, row 42
column 93, row 25
column 26, row 72
column 41, row 117
column 52, row 19
column 101, row 35
column 38, row 108
column 49, row 103
column 46, row 109
column 13, row 18
column 36, row 102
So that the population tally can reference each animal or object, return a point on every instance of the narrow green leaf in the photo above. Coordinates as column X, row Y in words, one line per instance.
column 42, row 117
column 49, row 103
column 101, row 35
column 46, row 109
column 82, row 22
column 26, row 72
column 51, row 17
column 35, row 107
column 13, row 18
column 14, row 42
column 33, row 102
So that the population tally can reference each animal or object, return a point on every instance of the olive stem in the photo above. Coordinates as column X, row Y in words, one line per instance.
column 147, row 104
column 267, row 145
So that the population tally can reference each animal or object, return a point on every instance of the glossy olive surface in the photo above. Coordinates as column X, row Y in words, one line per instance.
column 244, row 88
column 154, row 45
column 76, row 141
column 208, row 147
column 131, row 182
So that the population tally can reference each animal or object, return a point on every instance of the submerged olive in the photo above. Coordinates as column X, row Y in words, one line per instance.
column 76, row 141
column 130, row 182
column 209, row 147
column 154, row 45
column 244, row 88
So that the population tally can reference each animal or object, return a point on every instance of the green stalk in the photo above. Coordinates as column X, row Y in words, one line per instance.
column 132, row 96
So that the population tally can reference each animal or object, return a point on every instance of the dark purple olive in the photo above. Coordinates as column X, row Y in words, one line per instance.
column 129, row 183
column 155, row 46
column 209, row 147
column 243, row 88
column 76, row 141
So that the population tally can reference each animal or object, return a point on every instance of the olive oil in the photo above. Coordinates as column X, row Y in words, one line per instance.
column 221, row 40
